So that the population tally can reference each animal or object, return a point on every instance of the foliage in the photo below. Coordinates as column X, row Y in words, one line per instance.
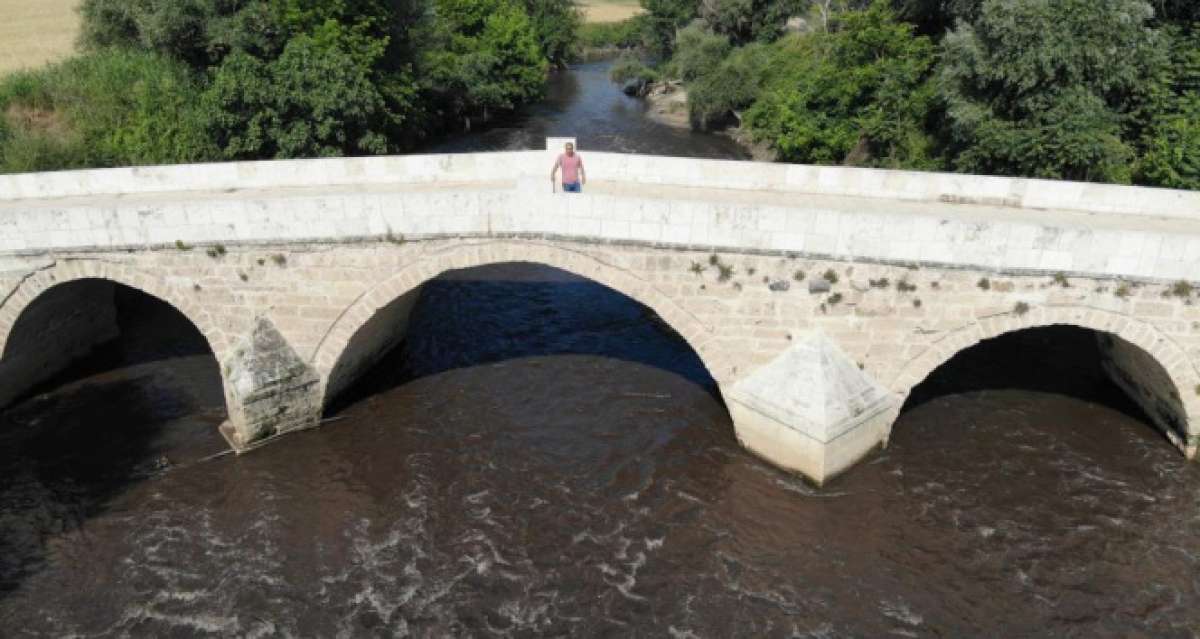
column 936, row 17
column 739, row 21
column 486, row 58
column 698, row 51
column 735, row 84
column 628, row 68
column 1047, row 89
column 1180, row 12
column 116, row 107
column 198, row 32
column 313, row 100
column 859, row 94
column 745, row 21
column 555, row 22
column 663, row 18
column 1171, row 145
column 183, row 80
column 625, row 34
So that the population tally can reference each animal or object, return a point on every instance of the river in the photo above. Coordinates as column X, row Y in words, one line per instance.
column 542, row 458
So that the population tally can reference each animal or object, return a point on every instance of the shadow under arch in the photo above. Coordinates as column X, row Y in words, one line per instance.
column 378, row 320
column 71, row 306
column 1086, row 353
column 14, row 303
column 106, row 385
column 506, row 312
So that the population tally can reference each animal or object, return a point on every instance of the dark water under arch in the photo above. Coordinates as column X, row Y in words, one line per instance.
column 581, row 494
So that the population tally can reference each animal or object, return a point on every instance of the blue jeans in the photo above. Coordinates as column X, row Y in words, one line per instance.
column 572, row 187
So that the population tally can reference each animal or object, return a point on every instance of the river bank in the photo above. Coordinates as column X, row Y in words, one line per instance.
column 667, row 104
column 583, row 102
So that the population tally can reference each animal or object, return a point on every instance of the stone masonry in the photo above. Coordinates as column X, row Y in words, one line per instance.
column 817, row 298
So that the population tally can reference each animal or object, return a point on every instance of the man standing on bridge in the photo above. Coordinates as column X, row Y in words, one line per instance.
column 573, row 175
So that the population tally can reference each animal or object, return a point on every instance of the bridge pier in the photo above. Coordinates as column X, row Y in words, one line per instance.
column 811, row 410
column 269, row 389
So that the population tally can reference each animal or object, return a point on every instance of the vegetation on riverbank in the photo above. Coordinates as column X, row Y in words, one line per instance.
column 166, row 81
column 1105, row 90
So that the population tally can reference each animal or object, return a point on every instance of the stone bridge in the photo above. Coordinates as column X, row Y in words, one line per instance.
column 817, row 297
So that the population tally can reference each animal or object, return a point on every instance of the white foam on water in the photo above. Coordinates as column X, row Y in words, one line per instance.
column 900, row 611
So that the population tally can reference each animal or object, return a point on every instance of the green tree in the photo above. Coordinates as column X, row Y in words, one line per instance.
column 113, row 108
column 735, row 84
column 859, row 94
column 663, row 19
column 313, row 100
column 1171, row 145
column 698, row 51
column 556, row 23
column 1172, row 155
column 1051, row 89
column 198, row 32
column 936, row 17
column 485, row 59
column 745, row 21
column 1180, row 12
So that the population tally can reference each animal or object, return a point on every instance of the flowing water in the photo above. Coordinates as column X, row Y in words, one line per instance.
column 543, row 458
column 584, row 104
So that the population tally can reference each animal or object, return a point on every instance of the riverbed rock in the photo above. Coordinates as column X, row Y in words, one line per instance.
column 668, row 102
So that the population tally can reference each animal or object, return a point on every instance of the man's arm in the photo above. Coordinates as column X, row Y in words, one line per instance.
column 582, row 172
column 554, row 171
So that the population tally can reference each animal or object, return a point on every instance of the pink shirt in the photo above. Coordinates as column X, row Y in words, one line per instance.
column 570, row 167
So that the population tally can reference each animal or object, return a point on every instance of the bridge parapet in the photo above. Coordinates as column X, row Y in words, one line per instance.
column 846, row 214
column 467, row 168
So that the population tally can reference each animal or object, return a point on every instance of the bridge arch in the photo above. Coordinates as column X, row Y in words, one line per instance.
column 405, row 282
column 15, row 303
column 1150, row 345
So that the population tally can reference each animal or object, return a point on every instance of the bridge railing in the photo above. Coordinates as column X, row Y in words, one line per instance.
column 527, row 168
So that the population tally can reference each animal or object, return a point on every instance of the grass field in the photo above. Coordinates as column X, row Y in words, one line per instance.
column 605, row 10
column 34, row 32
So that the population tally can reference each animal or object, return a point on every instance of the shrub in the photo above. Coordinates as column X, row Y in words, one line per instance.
column 312, row 101
column 629, row 69
column 858, row 95
column 113, row 107
column 732, row 86
column 698, row 51
column 626, row 34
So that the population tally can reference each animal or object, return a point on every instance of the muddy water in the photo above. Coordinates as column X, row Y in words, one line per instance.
column 542, row 457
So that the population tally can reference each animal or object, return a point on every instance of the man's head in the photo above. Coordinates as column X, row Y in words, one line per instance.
column 570, row 147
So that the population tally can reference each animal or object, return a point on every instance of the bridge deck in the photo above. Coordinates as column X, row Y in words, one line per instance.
column 998, row 224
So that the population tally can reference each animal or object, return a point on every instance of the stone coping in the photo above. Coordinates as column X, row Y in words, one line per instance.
column 906, row 186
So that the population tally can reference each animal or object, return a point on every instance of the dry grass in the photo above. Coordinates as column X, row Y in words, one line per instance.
column 604, row 10
column 34, row 32
column 36, row 120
